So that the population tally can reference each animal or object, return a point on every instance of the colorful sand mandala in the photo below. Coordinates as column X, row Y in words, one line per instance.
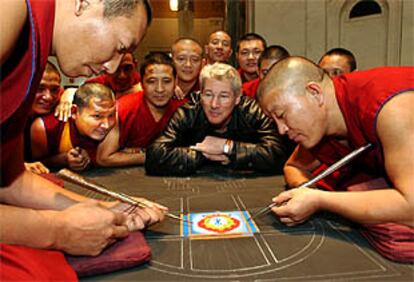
column 220, row 223
column 214, row 225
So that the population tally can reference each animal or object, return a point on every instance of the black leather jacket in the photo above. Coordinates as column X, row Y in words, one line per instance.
column 257, row 144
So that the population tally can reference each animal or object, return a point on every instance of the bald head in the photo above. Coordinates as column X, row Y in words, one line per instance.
column 218, row 48
column 290, row 76
column 187, row 55
column 300, row 97
column 187, row 43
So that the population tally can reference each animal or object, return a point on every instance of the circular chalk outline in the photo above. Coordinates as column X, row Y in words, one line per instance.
column 313, row 245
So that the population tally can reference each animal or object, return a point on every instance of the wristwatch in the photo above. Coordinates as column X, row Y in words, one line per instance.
column 227, row 147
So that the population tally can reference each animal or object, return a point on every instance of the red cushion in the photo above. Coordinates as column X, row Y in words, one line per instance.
column 393, row 241
column 129, row 252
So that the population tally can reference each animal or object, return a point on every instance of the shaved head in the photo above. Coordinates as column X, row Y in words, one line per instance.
column 290, row 76
column 189, row 43
column 300, row 97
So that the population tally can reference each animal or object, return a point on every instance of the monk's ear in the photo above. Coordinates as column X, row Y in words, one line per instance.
column 81, row 6
column 315, row 90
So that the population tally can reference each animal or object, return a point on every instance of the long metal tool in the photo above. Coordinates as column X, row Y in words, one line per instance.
column 79, row 180
column 323, row 174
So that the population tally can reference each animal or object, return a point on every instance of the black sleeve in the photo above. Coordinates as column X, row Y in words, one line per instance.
column 170, row 153
column 269, row 152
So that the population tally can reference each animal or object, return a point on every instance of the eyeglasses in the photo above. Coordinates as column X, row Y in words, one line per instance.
column 222, row 98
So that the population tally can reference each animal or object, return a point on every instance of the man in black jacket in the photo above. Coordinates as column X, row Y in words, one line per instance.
column 218, row 126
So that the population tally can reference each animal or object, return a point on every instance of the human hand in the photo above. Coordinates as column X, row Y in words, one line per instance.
column 78, row 159
column 63, row 110
column 210, row 145
column 178, row 93
column 296, row 205
column 140, row 218
column 87, row 228
column 36, row 167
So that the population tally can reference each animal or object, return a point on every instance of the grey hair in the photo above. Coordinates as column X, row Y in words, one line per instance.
column 221, row 72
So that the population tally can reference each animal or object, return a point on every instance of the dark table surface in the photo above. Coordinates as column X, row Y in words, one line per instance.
column 324, row 248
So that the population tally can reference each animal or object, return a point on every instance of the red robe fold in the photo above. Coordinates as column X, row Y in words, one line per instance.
column 250, row 88
column 20, row 78
column 19, row 263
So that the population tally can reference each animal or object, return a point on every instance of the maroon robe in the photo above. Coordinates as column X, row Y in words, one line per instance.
column 361, row 96
column 21, row 76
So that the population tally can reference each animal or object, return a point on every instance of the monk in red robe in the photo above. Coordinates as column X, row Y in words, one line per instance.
column 142, row 116
column 328, row 118
column 47, row 97
column 73, row 143
column 270, row 56
column 86, row 37
column 187, row 55
column 248, row 50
